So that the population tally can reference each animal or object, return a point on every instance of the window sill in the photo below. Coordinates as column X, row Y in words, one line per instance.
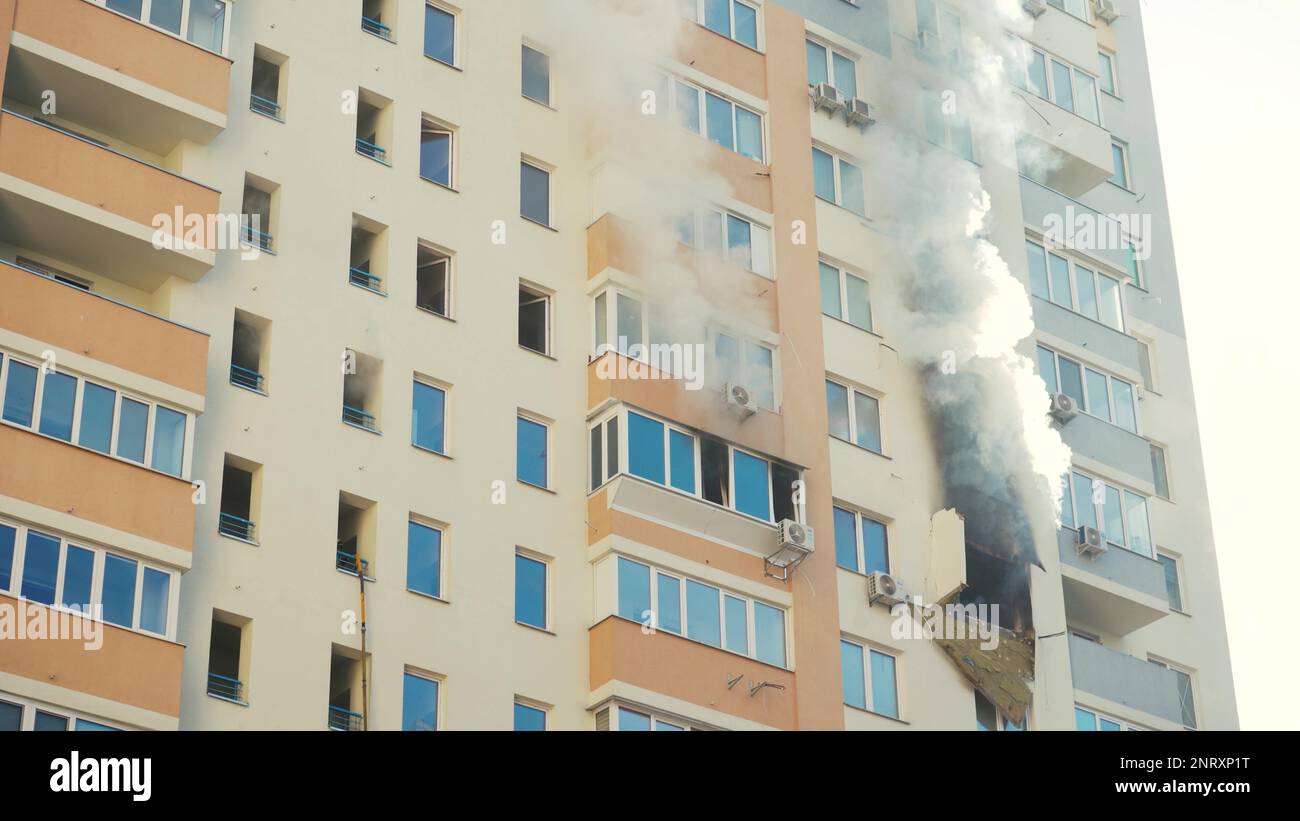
column 432, row 312
column 539, row 223
column 250, row 390
column 535, row 627
column 1112, row 95
column 862, row 448
column 431, row 451
column 1123, row 188
column 374, row 291
column 443, row 63
column 856, row 327
column 536, row 101
column 542, row 488
column 443, row 186
column 238, row 539
column 877, row 715
column 375, row 431
column 270, row 117
column 428, row 596
column 235, row 702
column 542, row 354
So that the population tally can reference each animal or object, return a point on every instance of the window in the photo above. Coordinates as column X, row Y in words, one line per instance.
column 248, row 354
column 660, row 453
column 628, row 720
column 534, row 193
column 728, row 124
column 1091, row 721
column 530, row 591
column 22, row 714
column 530, row 451
column 1107, row 77
column 1119, row 158
column 435, row 152
column 378, row 18
column 228, row 657
column 207, row 18
column 845, row 296
column 827, row 64
column 240, row 480
column 419, row 703
column 428, row 417
column 605, row 452
column 362, row 394
column 701, row 612
column 1160, row 471
column 536, row 80
column 432, row 280
column 8, row 542
column 534, row 320
column 439, row 34
column 733, row 19
column 354, row 547
column 77, row 410
column 1108, row 398
column 1074, row 286
column 938, row 29
column 739, row 361
column 1078, row 8
column 838, row 181
column 854, row 416
column 265, row 96
column 1186, row 698
column 529, row 718
column 735, row 238
column 374, row 126
column 259, row 205
column 861, row 543
column 869, row 678
column 1119, row 514
column 1054, row 80
column 423, row 558
column 949, row 129
column 989, row 718
column 1173, row 587
column 207, row 23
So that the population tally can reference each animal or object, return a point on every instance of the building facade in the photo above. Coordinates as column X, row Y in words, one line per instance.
column 550, row 365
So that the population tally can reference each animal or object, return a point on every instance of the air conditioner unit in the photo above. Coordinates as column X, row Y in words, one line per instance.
column 827, row 97
column 796, row 537
column 883, row 588
column 1035, row 8
column 1106, row 10
column 859, row 112
column 1089, row 542
column 1064, row 408
column 739, row 399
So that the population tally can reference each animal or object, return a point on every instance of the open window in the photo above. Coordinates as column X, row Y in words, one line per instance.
column 362, row 391
column 241, row 485
column 374, row 126
column 433, row 280
column 368, row 259
column 249, row 352
column 260, row 204
column 355, row 548
column 534, row 319
column 268, row 86
column 378, row 17
column 229, row 656
column 345, row 705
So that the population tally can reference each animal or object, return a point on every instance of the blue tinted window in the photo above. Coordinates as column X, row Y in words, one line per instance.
column 428, row 412
column 40, row 567
column 875, row 546
column 534, row 193
column 884, row 692
column 823, row 175
column 749, row 134
column 634, row 722
column 168, row 440
column 717, row 16
column 154, row 594
column 752, row 489
column 670, row 603
column 703, row 622
column 1037, row 270
column 851, row 671
column 866, row 415
column 718, row 113
column 119, row 590
column 424, row 559
column 746, row 25
column 852, row 192
column 769, row 634
column 20, row 394
column 96, row 417
column 132, row 429
column 688, row 107
column 419, row 703
column 633, row 590
column 645, row 448
column 536, row 75
column 131, row 8
column 740, row 250
column 1047, row 369
column 7, row 537
column 737, row 624
column 49, row 723
column 816, row 63
column 435, row 155
column 846, row 539
column 11, row 717
column 57, row 401
column 531, row 452
column 530, row 591
column 681, row 448
column 1084, row 720
column 837, row 410
column 439, row 35
column 78, row 570
column 85, row 726
column 529, row 719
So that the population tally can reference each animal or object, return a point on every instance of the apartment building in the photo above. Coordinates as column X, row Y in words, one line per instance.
column 333, row 393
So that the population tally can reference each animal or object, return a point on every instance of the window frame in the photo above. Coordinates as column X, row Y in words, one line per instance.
column 831, row 51
column 698, row 218
column 523, row 71
column 547, row 583
column 1126, row 183
column 433, row 125
column 438, row 682
column 535, row 706
column 1168, row 560
column 1098, row 716
column 549, row 172
column 445, row 390
column 454, row 14
column 743, row 346
column 441, row 530
column 698, row 18
column 1108, row 60
column 859, row 541
column 1099, row 510
column 146, row 7
column 853, row 392
column 843, row 274
column 655, row 718
column 1073, row 266
column 525, row 416
column 1087, row 406
column 1022, row 80
column 547, row 297
column 838, row 160
column 701, row 105
column 29, row 707
column 869, row 695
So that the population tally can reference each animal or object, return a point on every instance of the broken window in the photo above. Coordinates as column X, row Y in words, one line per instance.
column 534, row 319
column 990, row 581
column 432, row 280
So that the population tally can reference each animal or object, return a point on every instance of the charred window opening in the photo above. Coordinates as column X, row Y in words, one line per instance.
column 715, row 467
column 783, row 490
column 991, row 580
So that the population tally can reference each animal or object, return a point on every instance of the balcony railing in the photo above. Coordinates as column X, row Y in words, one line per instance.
column 358, row 417
column 347, row 562
column 246, row 378
column 265, row 107
column 344, row 720
column 374, row 152
column 258, row 239
column 231, row 689
column 364, row 279
column 236, row 527
column 376, row 28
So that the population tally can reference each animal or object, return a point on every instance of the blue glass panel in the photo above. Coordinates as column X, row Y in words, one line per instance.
column 717, row 16
column 7, row 537
column 534, row 193
column 531, row 452
column 633, row 590
column 846, row 539
column 852, row 675
column 530, row 591
column 439, row 35
column 168, row 440
column 529, row 719
column 20, row 394
column 119, row 590
column 718, row 114
column 629, row 721
column 435, row 156
column 746, row 24
column 884, row 690
column 681, row 448
column 49, row 723
column 423, row 559
column 132, row 429
column 749, row 134
column 428, row 412
column 57, row 401
column 1084, row 720
column 823, row 175
column 40, row 567
column 737, row 624
column 752, row 489
column 419, row 703
column 96, row 417
column 78, row 571
column 703, row 622
column 155, row 591
column 769, row 634
column 875, row 545
column 670, row 603
column 645, row 448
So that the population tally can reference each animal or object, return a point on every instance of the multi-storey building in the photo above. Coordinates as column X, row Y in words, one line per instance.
column 327, row 391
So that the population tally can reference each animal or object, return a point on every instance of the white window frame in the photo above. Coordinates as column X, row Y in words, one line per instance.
column 1083, row 6
column 656, row 718
column 443, row 530
column 146, row 9
column 1191, row 681
column 1019, row 75
column 831, row 51
column 1089, row 405
column 696, row 15
column 1073, row 266
column 1098, row 716
column 1112, row 71
column 868, row 697
column 547, row 296
column 437, row 679
column 548, row 426
column 853, row 392
column 436, row 126
column 702, row 106
column 837, row 160
column 96, row 580
column 549, row 171
column 743, row 345
column 859, row 543
column 943, row 14
column 1099, row 509
column 120, row 393
column 760, row 239
column 548, row 569
column 29, row 707
column 843, row 275
column 952, row 124
column 1127, row 183
column 1177, row 562
column 456, row 49
column 536, row 48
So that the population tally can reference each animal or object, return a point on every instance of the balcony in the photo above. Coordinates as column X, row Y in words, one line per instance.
column 1038, row 202
column 1125, row 680
column 78, row 201
column 61, row 316
column 1111, row 446
column 1119, row 591
column 134, row 669
column 116, row 75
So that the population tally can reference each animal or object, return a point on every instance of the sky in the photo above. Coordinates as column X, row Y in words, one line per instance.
column 1223, row 73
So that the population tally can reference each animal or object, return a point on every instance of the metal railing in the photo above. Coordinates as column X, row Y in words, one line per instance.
column 225, row 687
column 344, row 720
column 376, row 28
column 265, row 107
column 231, row 525
column 260, row 239
column 364, row 279
column 358, row 417
column 245, row 378
column 347, row 562
column 369, row 149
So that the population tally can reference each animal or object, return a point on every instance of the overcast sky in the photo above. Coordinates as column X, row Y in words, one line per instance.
column 1225, row 76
